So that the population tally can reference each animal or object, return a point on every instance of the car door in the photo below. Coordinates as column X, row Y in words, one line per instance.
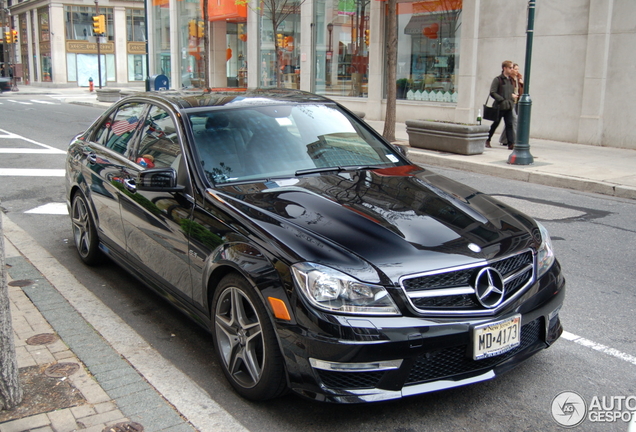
column 105, row 163
column 154, row 222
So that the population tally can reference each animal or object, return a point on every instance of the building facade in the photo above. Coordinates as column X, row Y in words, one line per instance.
column 448, row 52
column 56, row 45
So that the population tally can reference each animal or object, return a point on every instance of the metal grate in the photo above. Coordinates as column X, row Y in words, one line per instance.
column 462, row 278
column 452, row 361
column 350, row 380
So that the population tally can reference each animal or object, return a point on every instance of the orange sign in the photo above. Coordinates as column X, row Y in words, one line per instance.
column 219, row 10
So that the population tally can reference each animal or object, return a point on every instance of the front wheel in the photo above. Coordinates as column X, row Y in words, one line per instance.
column 84, row 231
column 245, row 341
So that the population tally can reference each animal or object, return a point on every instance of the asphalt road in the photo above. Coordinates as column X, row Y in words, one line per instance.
column 594, row 238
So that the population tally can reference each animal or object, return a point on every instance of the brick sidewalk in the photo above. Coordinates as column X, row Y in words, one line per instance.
column 94, row 413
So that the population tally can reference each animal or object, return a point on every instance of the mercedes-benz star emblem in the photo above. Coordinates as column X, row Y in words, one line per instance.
column 489, row 287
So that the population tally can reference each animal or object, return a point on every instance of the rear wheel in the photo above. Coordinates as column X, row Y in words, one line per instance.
column 84, row 232
column 245, row 341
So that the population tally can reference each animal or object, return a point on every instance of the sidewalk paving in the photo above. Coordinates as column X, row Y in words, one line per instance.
column 121, row 378
column 119, row 381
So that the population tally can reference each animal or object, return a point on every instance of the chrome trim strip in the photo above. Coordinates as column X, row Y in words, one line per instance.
column 355, row 367
column 445, row 270
column 375, row 394
column 442, row 292
column 446, row 384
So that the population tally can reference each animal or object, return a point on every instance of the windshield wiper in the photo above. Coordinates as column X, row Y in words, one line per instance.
column 337, row 169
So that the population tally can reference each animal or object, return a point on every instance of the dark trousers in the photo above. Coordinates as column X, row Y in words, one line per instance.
column 508, row 119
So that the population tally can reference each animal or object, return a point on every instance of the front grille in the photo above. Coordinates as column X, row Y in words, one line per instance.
column 517, row 271
column 350, row 380
column 448, row 362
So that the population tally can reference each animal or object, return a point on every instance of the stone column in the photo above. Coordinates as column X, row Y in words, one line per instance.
column 596, row 69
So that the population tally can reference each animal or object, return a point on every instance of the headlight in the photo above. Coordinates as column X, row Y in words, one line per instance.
column 545, row 254
column 334, row 291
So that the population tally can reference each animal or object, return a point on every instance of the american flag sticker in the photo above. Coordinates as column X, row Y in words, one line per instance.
column 120, row 127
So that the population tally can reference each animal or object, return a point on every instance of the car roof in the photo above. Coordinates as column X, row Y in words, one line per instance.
column 234, row 97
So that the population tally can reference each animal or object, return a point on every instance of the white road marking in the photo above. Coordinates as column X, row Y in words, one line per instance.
column 51, row 208
column 43, row 102
column 11, row 135
column 20, row 102
column 30, row 151
column 29, row 172
column 600, row 348
column 71, row 97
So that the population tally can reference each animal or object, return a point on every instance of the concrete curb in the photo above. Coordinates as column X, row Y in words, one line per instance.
column 528, row 175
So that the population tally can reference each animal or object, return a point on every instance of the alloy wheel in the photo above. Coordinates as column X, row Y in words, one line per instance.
column 240, row 337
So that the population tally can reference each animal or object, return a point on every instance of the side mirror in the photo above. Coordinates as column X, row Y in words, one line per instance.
column 158, row 180
column 400, row 149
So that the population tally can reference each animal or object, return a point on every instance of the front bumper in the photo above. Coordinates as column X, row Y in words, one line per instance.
column 382, row 358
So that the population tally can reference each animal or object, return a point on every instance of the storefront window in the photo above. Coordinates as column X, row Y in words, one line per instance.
column 342, row 54
column 24, row 43
column 161, row 27
column 45, row 44
column 236, row 54
column 280, row 43
column 79, row 22
column 136, row 44
column 81, row 57
column 135, row 25
column 192, row 31
column 428, row 50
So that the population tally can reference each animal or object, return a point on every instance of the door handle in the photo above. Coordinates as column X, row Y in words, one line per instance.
column 130, row 185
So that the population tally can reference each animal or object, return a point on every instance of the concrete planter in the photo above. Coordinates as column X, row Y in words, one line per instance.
column 108, row 95
column 447, row 137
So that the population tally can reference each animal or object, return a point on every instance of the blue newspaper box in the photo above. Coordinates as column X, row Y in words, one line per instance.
column 159, row 82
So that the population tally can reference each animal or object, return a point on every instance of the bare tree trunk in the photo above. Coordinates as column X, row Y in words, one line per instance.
column 278, row 54
column 10, row 390
column 391, row 59
column 206, row 45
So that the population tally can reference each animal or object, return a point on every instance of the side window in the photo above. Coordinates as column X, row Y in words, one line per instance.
column 159, row 146
column 101, row 134
column 121, row 128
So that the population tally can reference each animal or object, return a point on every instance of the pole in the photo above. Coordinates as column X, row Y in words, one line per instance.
column 521, row 153
column 147, row 46
column 99, row 52
column 5, row 50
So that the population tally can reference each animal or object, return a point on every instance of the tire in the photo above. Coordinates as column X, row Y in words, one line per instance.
column 245, row 342
column 84, row 231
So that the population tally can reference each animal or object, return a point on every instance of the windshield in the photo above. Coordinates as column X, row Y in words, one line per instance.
column 263, row 142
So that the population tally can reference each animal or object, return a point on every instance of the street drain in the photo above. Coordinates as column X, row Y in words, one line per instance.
column 124, row 427
column 20, row 283
column 42, row 339
column 61, row 370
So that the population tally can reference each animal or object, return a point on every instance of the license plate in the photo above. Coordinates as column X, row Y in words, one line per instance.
column 496, row 338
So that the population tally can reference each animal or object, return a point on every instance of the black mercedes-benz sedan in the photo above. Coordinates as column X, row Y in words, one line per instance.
column 321, row 260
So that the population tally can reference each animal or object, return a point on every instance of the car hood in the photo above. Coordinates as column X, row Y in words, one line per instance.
column 400, row 220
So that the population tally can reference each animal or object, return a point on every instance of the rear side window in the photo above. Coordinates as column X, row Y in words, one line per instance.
column 118, row 129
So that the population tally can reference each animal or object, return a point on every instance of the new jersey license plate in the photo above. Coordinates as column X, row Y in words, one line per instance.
column 497, row 337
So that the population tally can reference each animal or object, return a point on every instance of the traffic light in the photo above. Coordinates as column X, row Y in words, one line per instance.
column 7, row 37
column 99, row 24
column 14, row 36
column 366, row 37
column 279, row 39
column 200, row 29
column 192, row 28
